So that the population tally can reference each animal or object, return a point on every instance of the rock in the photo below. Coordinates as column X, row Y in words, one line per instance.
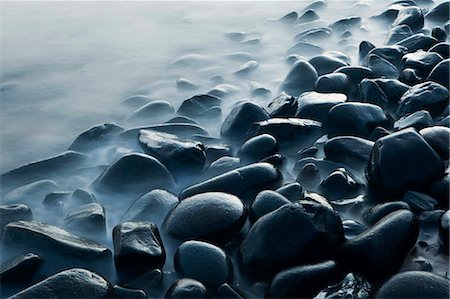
column 429, row 96
column 346, row 24
column 274, row 242
column 257, row 148
column 311, row 151
column 87, row 220
column 50, row 168
column 204, row 262
column 246, row 68
column 305, row 49
column 289, row 19
column 182, row 130
column 152, row 206
column 301, row 77
column 397, row 34
column 364, row 48
column 355, row 73
column 220, row 166
column 30, row 193
column 283, row 106
column 438, row 138
column 381, row 250
column 381, row 67
column 125, row 293
column 421, row 61
column 442, row 49
column 352, row 229
column 291, row 133
column 414, row 284
column 198, row 106
column 153, row 112
column 313, row 34
column 418, row 41
column 410, row 77
column 316, row 5
column 440, row 73
column 241, row 117
column 224, row 91
column 56, row 199
column 408, row 173
column 225, row 291
column 136, row 101
column 348, row 150
column 12, row 213
column 309, row 175
column 181, row 119
column 186, row 288
column 411, row 16
column 259, row 91
column 96, row 136
column 339, row 184
column 82, row 196
column 421, row 264
column 376, row 213
column 352, row 286
column 325, row 64
column 265, row 202
column 311, row 278
column 439, row 13
column 149, row 282
column 308, row 16
column 314, row 105
column 72, row 283
column 417, row 120
column 419, row 202
column 210, row 215
column 439, row 34
column 292, row 191
column 444, row 225
column 185, row 84
column 181, row 157
column 134, row 173
column 355, row 119
column 20, row 268
column 335, row 82
column 440, row 189
column 138, row 248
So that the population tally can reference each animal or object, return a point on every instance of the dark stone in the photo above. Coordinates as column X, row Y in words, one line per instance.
column 348, row 150
column 339, row 184
column 181, row 157
column 381, row 67
column 439, row 34
column 304, row 281
column 378, row 133
column 138, row 248
column 244, row 182
column 381, row 250
column 291, row 133
column 444, row 225
column 56, row 199
column 72, row 283
column 204, row 262
column 408, row 172
column 87, row 220
column 355, row 119
column 14, row 212
column 417, row 120
column 313, row 34
column 289, row 19
column 314, row 105
column 355, row 73
column 265, row 202
column 311, row 151
column 411, row 16
column 82, row 196
column 224, row 91
column 182, row 119
column 410, row 77
column 346, row 24
column 51, row 168
column 418, row 41
column 220, row 166
column 414, row 284
column 257, row 148
column 352, row 228
column 352, row 286
column 442, row 49
column 397, row 34
column 374, row 214
column 186, row 288
column 96, row 136
column 20, row 268
column 211, row 215
column 316, row 5
column 439, row 13
column 422, row 62
column 31, row 193
column 429, row 96
column 393, row 54
column 277, row 160
column 419, row 202
column 325, row 64
column 283, row 106
column 307, row 50
column 225, row 291
column 301, row 77
column 149, row 282
column 240, row 119
column 309, row 175
column 438, row 138
column 364, row 48
column 308, row 16
column 440, row 190
column 196, row 106
column 152, row 206
column 185, row 84
column 259, row 91
column 136, row 174
column 153, row 112
column 126, row 293
column 292, row 191
column 335, row 82
column 275, row 241
column 440, row 73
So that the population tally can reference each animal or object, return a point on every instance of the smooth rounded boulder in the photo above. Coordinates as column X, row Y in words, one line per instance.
column 349, row 150
column 96, row 136
column 265, row 202
column 186, row 288
column 315, row 105
column 301, row 77
column 197, row 105
column 283, row 106
column 257, row 148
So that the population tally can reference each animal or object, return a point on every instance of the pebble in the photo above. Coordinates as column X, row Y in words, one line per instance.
column 438, row 138
column 352, row 286
column 440, row 73
column 339, row 184
column 30, row 193
column 376, row 213
column 135, row 101
column 14, row 212
column 442, row 49
column 258, row 148
column 308, row 16
column 351, row 151
column 418, row 41
column 346, row 24
column 265, row 202
column 199, row 106
column 439, row 34
column 223, row 91
column 246, row 68
column 292, row 191
column 96, row 136
column 283, row 106
column 126, row 293
column 87, row 220
column 382, row 68
column 417, row 120
column 219, row 166
column 421, row 61
column 153, row 112
column 335, row 82
column 315, row 105
column 419, row 202
column 325, row 64
column 439, row 13
column 186, row 288
column 397, row 34
column 301, row 77
column 20, row 268
column 289, row 19
column 444, row 225
column 185, row 84
column 306, row 49
column 313, row 34
column 364, row 48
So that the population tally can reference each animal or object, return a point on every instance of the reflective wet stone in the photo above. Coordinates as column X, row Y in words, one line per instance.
column 441, row 49
column 182, row 130
column 439, row 13
column 301, row 77
column 397, row 34
column 440, row 73
column 325, row 64
column 197, row 105
column 335, row 82
column 339, row 184
column 292, row 191
column 283, row 106
column 364, row 48
column 88, row 220
column 153, row 112
column 419, row 202
column 14, row 212
column 218, row 167
column 418, row 41
column 352, row 228
column 315, row 105
column 20, row 268
column 265, row 202
column 348, row 150
column 438, row 138
column 352, row 286
column 411, row 16
column 226, row 291
column 313, row 34
column 126, row 293
column 355, row 73
column 96, row 136
column 374, row 214
column 381, row 67
column 257, row 148
column 345, row 24
column 417, row 120
column 421, row 61
column 186, row 288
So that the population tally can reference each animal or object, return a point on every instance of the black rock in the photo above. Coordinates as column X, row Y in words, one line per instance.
column 440, row 73
column 348, row 150
column 352, row 228
column 355, row 119
column 204, row 262
column 346, row 24
column 223, row 91
column 418, row 41
column 292, row 134
column 31, row 193
column 313, row 34
column 292, row 191
column 419, row 202
column 126, row 293
column 211, row 215
column 314, row 105
column 214, row 152
column 364, row 48
column 153, row 112
column 303, row 281
column 335, row 82
column 374, row 214
column 444, row 225
column 439, row 139
column 352, row 286
column 397, row 34
column 414, row 284
column 72, row 283
column 283, row 106
column 244, row 182
column 152, row 206
column 82, row 196
column 429, row 96
column 309, row 175
column 422, row 62
column 240, row 119
column 378, row 133
column 96, row 136
column 20, row 268
column 289, row 19
column 14, row 212
column 439, row 34
column 181, row 119
column 257, row 148
column 149, row 282
column 301, row 77
column 308, row 16
column 439, row 13
column 87, row 220
column 225, row 291
column 186, row 288
column 182, row 130
column 392, row 54
column 259, row 91
column 181, row 157
column 381, row 250
column 138, row 248
column 196, row 106
column 355, row 73
column 410, row 77
column 218, row 167
column 325, row 64
column 442, row 49
column 275, row 241
column 417, row 120
column 381, row 67
column 440, row 190
column 56, row 199
column 408, row 172
column 411, row 16
column 136, row 174
column 265, row 202
column 339, row 184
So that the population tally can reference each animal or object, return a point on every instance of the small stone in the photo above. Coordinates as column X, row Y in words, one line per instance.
column 126, row 293
column 20, row 268
column 292, row 191
column 419, row 202
column 96, row 136
column 14, row 212
column 335, row 82
column 224, row 91
column 265, row 202
column 422, row 62
column 56, row 199
column 198, row 105
column 306, row 49
column 315, row 105
column 30, row 193
column 82, row 196
column 364, row 48
column 153, row 112
column 411, row 16
column 246, row 68
column 301, row 77
column 186, row 288
column 374, row 214
column 418, row 41
column 440, row 73
column 339, row 184
column 442, row 49
column 289, row 19
column 87, row 220
column 439, row 13
column 346, row 24
column 283, row 106
column 308, row 16
column 348, row 150
column 313, row 34
column 257, row 148
column 417, row 120
column 438, row 138
column 325, row 64
column 185, row 84
column 381, row 67
column 136, row 101
column 397, row 34
column 444, row 225
column 352, row 229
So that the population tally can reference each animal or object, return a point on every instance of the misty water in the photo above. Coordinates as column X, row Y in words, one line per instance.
column 67, row 66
